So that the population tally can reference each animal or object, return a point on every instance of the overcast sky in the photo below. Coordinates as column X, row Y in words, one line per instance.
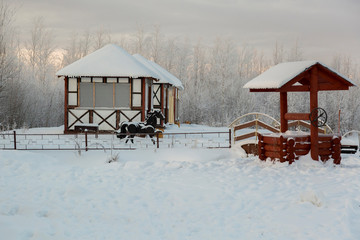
column 323, row 27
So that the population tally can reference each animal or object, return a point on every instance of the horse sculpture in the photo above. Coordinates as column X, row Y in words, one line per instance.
column 129, row 129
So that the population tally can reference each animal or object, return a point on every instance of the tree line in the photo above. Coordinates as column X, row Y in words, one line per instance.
column 213, row 75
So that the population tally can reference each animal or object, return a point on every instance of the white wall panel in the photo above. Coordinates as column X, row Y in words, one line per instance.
column 123, row 80
column 136, row 85
column 72, row 100
column 136, row 100
column 104, row 114
column 72, row 84
column 77, row 113
column 130, row 114
column 86, row 79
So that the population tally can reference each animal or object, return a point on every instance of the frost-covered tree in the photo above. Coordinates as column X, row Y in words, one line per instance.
column 9, row 67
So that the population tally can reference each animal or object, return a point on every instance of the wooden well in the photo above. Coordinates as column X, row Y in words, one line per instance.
column 286, row 147
column 305, row 76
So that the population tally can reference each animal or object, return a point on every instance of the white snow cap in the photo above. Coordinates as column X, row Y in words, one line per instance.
column 165, row 76
column 109, row 61
column 279, row 75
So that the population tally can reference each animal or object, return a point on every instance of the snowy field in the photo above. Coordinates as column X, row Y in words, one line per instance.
column 175, row 194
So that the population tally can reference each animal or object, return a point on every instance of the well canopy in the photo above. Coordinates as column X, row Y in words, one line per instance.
column 295, row 77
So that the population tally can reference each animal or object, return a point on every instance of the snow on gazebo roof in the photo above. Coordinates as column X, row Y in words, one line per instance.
column 165, row 76
column 279, row 75
column 109, row 61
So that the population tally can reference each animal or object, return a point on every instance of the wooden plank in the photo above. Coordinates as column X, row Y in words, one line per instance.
column 303, row 124
column 297, row 116
column 245, row 136
column 245, row 125
column 301, row 152
column 271, row 140
column 298, row 88
column 324, row 151
column 302, row 139
column 268, row 127
column 272, row 148
column 325, row 138
column 302, row 146
column 325, row 145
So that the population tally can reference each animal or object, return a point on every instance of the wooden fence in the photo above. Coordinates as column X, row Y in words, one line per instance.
column 92, row 141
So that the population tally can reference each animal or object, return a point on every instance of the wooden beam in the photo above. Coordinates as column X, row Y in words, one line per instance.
column 66, row 87
column 314, row 135
column 268, row 127
column 304, row 124
column 143, row 99
column 245, row 136
column 162, row 102
column 297, row 116
column 245, row 125
column 297, row 88
column 331, row 87
column 283, row 112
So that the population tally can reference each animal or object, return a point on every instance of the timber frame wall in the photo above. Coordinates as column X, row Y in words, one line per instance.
column 110, row 117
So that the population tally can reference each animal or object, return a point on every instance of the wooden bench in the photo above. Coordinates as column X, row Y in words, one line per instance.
column 87, row 127
column 349, row 149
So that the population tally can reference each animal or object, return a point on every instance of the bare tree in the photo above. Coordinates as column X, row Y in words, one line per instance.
column 101, row 38
column 295, row 53
column 79, row 47
column 141, row 41
column 9, row 67
column 156, row 42
column 278, row 53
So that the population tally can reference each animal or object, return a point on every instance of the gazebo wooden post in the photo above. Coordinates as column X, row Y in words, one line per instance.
column 283, row 111
column 314, row 135
column 66, row 87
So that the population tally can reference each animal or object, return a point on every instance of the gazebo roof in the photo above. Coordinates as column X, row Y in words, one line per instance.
column 295, row 76
column 109, row 61
column 165, row 76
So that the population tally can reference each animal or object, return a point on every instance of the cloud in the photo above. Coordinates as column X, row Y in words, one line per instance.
column 329, row 23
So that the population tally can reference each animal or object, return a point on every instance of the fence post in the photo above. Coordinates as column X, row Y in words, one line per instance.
column 230, row 138
column 157, row 140
column 15, row 140
column 86, row 142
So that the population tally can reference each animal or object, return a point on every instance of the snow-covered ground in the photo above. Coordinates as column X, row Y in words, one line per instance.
column 175, row 194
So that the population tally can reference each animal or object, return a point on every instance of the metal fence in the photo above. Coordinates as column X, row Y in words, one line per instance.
column 92, row 141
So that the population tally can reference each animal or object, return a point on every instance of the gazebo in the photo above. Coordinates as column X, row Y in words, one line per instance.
column 302, row 76
column 107, row 87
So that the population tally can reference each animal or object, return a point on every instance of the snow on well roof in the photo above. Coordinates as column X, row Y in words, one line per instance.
column 279, row 75
column 165, row 76
column 109, row 61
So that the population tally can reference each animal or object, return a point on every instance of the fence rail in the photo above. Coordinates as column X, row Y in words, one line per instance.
column 105, row 141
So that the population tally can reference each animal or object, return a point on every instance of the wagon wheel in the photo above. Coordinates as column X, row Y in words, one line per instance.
column 318, row 117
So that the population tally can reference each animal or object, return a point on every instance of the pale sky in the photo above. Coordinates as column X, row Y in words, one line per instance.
column 322, row 27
